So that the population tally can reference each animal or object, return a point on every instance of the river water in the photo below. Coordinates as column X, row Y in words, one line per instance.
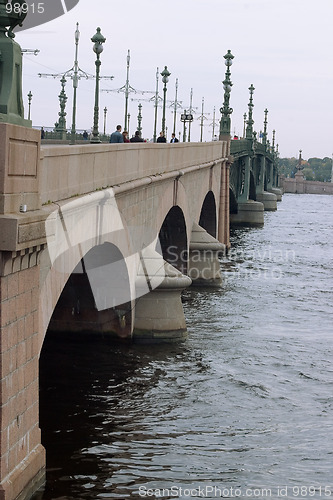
column 242, row 409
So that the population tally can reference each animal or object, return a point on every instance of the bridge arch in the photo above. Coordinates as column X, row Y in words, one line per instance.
column 96, row 298
column 173, row 239
column 80, row 233
column 208, row 217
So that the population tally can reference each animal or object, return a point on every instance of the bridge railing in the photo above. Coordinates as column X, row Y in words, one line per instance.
column 240, row 147
column 68, row 171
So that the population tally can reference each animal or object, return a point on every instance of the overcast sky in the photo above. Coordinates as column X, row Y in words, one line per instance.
column 283, row 47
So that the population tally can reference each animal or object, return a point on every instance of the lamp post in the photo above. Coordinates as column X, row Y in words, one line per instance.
column 273, row 142
column 105, row 113
column 127, row 85
column 175, row 108
column 62, row 114
column 128, row 123
column 244, row 118
column 213, row 124
column 190, row 111
column 250, row 122
column 202, row 118
column 225, row 109
column 264, row 135
column 98, row 39
column 29, row 104
column 165, row 78
column 75, row 83
column 185, row 117
column 156, row 106
column 139, row 118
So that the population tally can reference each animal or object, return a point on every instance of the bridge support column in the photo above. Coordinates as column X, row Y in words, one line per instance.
column 250, row 213
column 270, row 187
column 223, row 219
column 159, row 315
column 277, row 192
column 22, row 465
column 268, row 199
column 22, row 457
column 204, row 266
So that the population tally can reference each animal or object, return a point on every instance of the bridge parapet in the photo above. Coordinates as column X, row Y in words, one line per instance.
column 32, row 177
column 68, row 171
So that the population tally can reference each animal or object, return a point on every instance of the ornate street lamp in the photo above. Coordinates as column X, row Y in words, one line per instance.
column 273, row 142
column 139, row 118
column 29, row 104
column 226, row 110
column 250, row 122
column 61, row 129
column 244, row 118
column 165, row 78
column 98, row 39
column 264, row 134
column 105, row 113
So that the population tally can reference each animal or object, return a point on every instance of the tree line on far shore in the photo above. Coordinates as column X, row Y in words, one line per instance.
column 314, row 169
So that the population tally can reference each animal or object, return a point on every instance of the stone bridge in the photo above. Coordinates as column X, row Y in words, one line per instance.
column 96, row 239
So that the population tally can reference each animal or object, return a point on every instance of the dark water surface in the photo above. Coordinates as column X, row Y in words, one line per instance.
column 243, row 408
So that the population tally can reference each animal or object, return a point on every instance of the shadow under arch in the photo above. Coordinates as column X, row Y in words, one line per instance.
column 96, row 299
column 252, row 187
column 233, row 205
column 173, row 239
column 267, row 175
column 207, row 218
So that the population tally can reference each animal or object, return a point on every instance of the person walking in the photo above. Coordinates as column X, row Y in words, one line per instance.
column 137, row 137
column 173, row 138
column 125, row 136
column 161, row 138
column 117, row 136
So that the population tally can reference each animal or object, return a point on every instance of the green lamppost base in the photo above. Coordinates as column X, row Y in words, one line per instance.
column 11, row 103
column 15, row 120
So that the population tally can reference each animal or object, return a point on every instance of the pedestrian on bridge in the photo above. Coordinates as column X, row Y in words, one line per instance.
column 117, row 136
column 161, row 138
column 125, row 136
column 137, row 137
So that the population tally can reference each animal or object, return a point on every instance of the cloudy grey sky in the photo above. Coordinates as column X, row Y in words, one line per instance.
column 283, row 47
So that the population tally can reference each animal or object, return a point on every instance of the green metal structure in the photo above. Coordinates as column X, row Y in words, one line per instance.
column 11, row 102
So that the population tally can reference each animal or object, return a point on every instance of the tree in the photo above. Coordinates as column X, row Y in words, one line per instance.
column 317, row 169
